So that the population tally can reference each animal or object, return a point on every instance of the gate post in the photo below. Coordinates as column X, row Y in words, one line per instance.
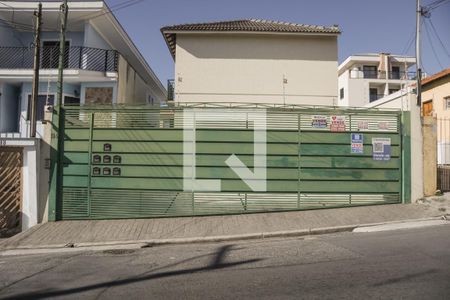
column 56, row 156
column 429, row 156
column 406, row 157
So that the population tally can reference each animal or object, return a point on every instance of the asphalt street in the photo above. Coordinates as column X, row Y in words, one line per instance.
column 400, row 264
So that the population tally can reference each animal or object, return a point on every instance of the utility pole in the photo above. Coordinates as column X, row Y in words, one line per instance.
column 62, row 49
column 36, row 65
column 419, row 13
column 59, row 147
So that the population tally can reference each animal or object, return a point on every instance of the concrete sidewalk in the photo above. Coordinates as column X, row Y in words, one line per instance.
column 78, row 233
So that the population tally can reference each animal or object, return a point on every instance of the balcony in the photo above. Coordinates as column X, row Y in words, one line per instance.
column 83, row 58
column 369, row 74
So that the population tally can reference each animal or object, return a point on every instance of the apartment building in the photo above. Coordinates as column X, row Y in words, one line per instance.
column 102, row 66
column 365, row 78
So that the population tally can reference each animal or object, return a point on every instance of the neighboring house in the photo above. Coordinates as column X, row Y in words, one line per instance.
column 436, row 102
column 366, row 78
column 101, row 66
column 254, row 61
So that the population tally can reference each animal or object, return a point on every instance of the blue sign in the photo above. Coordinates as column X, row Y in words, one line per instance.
column 357, row 143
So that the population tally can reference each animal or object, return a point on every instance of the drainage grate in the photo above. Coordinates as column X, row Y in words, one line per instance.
column 119, row 251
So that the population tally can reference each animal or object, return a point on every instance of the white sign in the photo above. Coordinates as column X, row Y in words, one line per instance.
column 319, row 121
column 381, row 148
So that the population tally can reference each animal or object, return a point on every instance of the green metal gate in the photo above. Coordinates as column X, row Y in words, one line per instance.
column 127, row 162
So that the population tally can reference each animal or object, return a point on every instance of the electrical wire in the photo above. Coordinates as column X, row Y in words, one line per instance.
column 409, row 43
column 110, row 10
column 435, row 5
column 439, row 39
column 432, row 46
column 18, row 24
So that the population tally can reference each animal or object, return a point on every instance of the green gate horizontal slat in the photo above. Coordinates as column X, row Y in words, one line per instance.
column 336, row 150
column 227, row 173
column 321, row 137
column 239, row 185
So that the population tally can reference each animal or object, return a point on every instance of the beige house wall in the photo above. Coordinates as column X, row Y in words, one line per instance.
column 436, row 92
column 252, row 68
column 131, row 88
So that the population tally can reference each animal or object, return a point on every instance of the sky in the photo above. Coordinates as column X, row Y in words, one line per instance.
column 367, row 26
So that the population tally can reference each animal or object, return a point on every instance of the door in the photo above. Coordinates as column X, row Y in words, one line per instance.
column 427, row 109
column 10, row 190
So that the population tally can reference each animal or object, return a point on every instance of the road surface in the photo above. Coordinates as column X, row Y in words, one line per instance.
column 408, row 264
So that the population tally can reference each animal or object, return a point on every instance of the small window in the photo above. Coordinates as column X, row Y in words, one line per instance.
column 68, row 100
column 447, row 103
column 341, row 93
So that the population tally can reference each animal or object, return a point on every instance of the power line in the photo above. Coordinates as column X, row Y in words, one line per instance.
column 111, row 9
column 439, row 39
column 435, row 5
column 432, row 46
column 18, row 24
column 409, row 43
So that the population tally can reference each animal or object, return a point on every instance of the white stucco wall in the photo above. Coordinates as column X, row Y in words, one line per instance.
column 31, row 182
column 9, row 37
column 93, row 39
column 251, row 68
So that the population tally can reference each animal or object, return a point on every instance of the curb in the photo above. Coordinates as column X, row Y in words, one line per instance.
column 138, row 244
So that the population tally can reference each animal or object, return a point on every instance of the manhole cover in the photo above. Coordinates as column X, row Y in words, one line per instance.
column 119, row 251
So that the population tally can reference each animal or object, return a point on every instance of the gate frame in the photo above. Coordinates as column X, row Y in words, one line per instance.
column 57, row 144
column 20, row 150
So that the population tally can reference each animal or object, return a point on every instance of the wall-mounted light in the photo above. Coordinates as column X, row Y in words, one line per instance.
column 96, row 171
column 106, row 171
column 116, row 171
column 106, row 159
column 96, row 159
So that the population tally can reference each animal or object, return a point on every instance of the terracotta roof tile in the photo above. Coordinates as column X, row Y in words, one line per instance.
column 436, row 76
column 251, row 25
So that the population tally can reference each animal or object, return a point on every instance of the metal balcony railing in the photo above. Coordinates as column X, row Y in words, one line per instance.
column 75, row 57
column 375, row 97
column 369, row 74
